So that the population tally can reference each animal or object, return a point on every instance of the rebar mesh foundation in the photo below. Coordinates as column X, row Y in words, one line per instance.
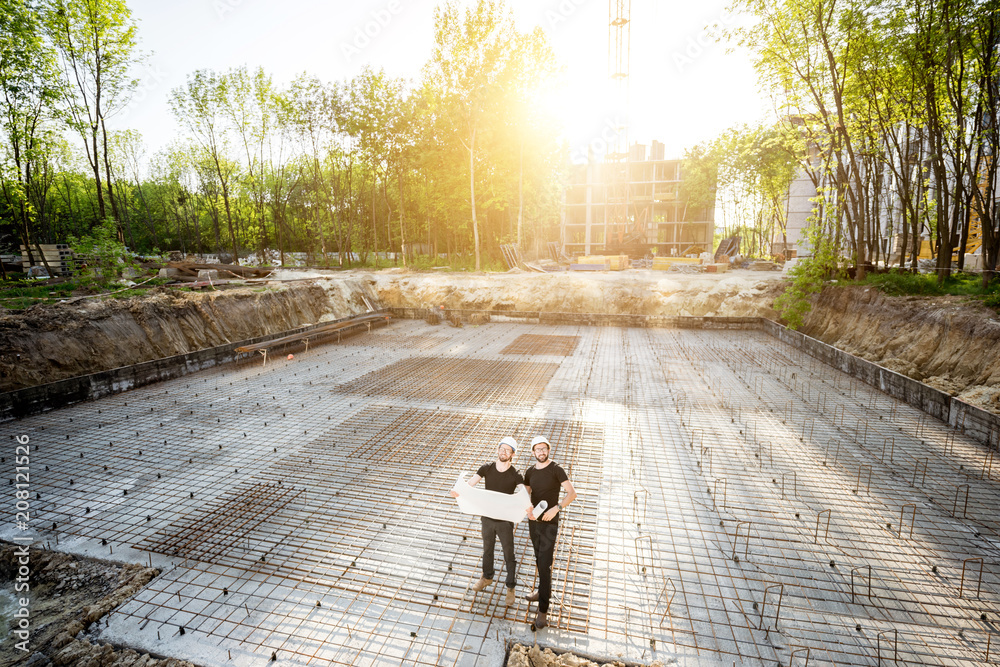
column 739, row 503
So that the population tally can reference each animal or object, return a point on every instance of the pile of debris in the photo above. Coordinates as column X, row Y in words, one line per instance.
column 69, row 595
column 535, row 656
column 191, row 272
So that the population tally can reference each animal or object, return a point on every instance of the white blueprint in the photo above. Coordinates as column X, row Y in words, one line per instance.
column 496, row 505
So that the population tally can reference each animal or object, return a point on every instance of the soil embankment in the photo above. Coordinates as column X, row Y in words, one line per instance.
column 638, row 293
column 53, row 342
column 946, row 342
column 67, row 595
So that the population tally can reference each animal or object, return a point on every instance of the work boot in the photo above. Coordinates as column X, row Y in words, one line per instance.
column 511, row 598
column 481, row 584
column 541, row 621
column 532, row 596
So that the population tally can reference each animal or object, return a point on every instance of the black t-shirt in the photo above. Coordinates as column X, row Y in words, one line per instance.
column 504, row 482
column 545, row 483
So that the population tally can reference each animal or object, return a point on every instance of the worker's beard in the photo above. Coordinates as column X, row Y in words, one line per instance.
column 504, row 457
column 542, row 455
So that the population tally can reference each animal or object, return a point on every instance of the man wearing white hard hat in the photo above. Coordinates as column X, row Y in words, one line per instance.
column 543, row 480
column 503, row 477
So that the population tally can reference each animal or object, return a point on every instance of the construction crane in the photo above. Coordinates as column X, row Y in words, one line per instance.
column 626, row 220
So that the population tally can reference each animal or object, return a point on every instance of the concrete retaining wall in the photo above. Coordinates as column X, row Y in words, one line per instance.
column 932, row 401
column 974, row 422
column 45, row 397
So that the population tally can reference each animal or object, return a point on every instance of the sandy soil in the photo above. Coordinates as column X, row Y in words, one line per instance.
column 534, row 656
column 950, row 343
column 732, row 294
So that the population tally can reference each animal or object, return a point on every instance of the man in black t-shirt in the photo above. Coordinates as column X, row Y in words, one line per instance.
column 543, row 481
column 500, row 476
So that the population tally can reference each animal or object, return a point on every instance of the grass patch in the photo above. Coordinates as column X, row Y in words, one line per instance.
column 19, row 294
column 901, row 283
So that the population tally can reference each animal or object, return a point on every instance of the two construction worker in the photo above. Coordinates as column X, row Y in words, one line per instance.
column 543, row 481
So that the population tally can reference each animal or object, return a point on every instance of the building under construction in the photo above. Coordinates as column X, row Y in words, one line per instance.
column 634, row 207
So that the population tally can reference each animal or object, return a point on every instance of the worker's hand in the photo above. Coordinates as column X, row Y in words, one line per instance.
column 454, row 493
column 531, row 513
column 550, row 513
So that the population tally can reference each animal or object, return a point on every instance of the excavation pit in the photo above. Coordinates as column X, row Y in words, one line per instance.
column 739, row 502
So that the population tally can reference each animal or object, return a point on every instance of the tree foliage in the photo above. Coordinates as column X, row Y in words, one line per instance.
column 894, row 107
column 371, row 169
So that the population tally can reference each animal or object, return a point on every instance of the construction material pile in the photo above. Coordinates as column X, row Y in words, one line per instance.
column 195, row 272
column 601, row 263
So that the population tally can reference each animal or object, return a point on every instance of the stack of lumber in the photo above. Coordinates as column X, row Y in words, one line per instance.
column 602, row 262
column 590, row 263
column 617, row 262
column 730, row 247
column 762, row 265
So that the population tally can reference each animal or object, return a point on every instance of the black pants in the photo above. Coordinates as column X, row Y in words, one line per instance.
column 492, row 529
column 543, row 541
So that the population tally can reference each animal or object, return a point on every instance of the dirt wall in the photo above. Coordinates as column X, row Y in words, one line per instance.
column 948, row 343
column 650, row 293
column 48, row 343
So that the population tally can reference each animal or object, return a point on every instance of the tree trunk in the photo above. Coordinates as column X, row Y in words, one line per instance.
column 520, row 192
column 229, row 215
column 374, row 230
column 402, row 232
column 472, row 196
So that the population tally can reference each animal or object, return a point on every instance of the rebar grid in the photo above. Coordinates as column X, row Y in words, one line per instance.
column 777, row 425
column 562, row 346
column 729, row 488
column 458, row 381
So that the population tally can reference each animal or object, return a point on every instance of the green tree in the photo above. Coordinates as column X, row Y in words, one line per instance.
column 376, row 119
column 96, row 43
column 198, row 106
column 466, row 75
column 28, row 93
column 101, row 256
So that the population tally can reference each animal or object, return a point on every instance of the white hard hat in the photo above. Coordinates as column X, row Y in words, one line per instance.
column 510, row 442
column 540, row 439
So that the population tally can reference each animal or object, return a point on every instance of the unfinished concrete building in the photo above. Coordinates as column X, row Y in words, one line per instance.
column 633, row 206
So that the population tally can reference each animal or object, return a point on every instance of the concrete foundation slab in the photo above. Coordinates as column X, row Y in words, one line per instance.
column 740, row 502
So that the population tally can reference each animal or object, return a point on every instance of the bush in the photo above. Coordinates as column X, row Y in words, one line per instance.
column 904, row 283
column 101, row 257
column 807, row 278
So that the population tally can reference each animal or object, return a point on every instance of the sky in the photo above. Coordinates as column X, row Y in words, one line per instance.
column 684, row 88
